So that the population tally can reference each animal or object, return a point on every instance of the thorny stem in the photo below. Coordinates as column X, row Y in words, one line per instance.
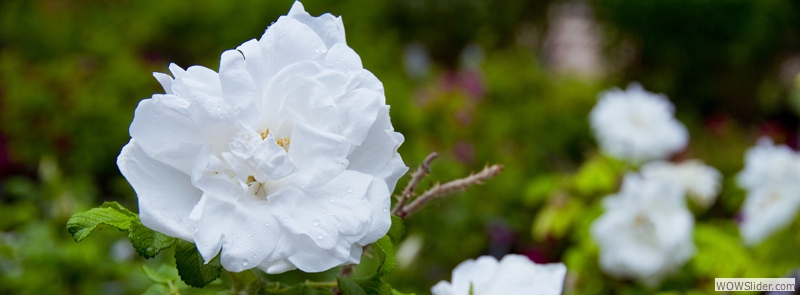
column 417, row 176
column 440, row 190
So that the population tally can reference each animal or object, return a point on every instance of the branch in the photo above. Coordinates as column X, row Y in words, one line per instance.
column 408, row 192
column 440, row 190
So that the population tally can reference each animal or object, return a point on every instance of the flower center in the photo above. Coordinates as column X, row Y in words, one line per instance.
column 283, row 141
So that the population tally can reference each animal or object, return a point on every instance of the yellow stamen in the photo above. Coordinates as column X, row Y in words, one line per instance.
column 284, row 142
column 264, row 134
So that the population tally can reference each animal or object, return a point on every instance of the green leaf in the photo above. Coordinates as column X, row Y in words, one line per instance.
column 301, row 289
column 397, row 230
column 148, row 242
column 350, row 287
column 163, row 275
column 366, row 286
column 191, row 267
column 157, row 289
column 385, row 256
column 374, row 285
column 113, row 214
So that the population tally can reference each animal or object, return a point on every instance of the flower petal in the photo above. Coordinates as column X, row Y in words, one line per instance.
column 381, row 220
column 238, row 87
column 316, row 259
column 377, row 155
column 172, row 129
column 319, row 156
column 289, row 41
column 254, row 235
column 326, row 26
column 166, row 196
column 344, row 57
column 359, row 110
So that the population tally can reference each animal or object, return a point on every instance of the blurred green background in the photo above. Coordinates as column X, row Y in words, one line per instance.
column 481, row 82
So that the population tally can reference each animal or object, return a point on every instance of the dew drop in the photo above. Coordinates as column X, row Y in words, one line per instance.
column 244, row 262
column 349, row 189
column 385, row 209
column 315, row 223
column 319, row 237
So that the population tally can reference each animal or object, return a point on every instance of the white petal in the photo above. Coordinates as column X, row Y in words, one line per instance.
column 326, row 26
column 172, row 130
column 377, row 155
column 340, row 206
column 319, row 156
column 254, row 235
column 165, row 81
column 209, row 174
column 311, row 258
column 238, row 87
column 359, row 111
column 166, row 196
column 380, row 221
column 289, row 41
column 344, row 57
column 213, row 220
column 276, row 267
column 306, row 93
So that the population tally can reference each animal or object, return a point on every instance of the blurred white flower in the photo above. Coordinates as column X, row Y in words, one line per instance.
column 770, row 177
column 701, row 182
column 646, row 231
column 285, row 159
column 513, row 275
column 637, row 125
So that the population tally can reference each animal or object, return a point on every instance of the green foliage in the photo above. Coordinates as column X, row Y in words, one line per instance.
column 364, row 286
column 110, row 213
column 148, row 242
column 191, row 266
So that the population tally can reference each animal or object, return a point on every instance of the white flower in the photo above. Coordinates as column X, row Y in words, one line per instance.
column 701, row 182
column 646, row 231
column 637, row 125
column 513, row 275
column 285, row 159
column 770, row 176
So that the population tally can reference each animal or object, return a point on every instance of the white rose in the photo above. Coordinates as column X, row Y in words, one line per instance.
column 637, row 125
column 701, row 182
column 285, row 159
column 646, row 231
column 770, row 176
column 513, row 275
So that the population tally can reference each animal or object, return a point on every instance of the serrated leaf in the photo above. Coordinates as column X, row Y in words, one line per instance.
column 301, row 289
column 191, row 267
column 397, row 230
column 119, row 208
column 147, row 242
column 350, row 287
column 385, row 256
column 112, row 214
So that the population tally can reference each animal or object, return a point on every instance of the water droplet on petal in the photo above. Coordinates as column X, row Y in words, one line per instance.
column 319, row 237
column 349, row 189
column 385, row 209
column 315, row 223
column 244, row 262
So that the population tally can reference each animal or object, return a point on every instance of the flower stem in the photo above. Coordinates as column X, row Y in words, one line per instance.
column 417, row 176
column 439, row 190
